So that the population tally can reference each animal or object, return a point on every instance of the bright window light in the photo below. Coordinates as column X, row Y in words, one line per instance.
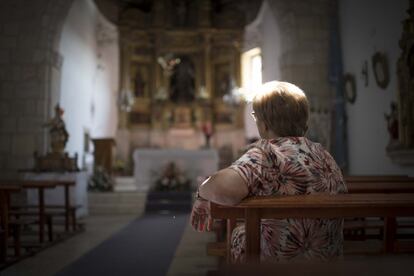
column 251, row 73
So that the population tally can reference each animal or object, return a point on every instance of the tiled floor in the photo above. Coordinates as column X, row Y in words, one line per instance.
column 190, row 257
column 53, row 259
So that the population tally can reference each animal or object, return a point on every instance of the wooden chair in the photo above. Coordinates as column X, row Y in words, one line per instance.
column 65, row 209
column 9, row 227
column 40, row 214
column 45, row 213
column 254, row 209
column 356, row 228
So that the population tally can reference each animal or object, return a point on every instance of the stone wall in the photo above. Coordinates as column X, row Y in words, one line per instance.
column 304, row 56
column 29, row 77
column 294, row 39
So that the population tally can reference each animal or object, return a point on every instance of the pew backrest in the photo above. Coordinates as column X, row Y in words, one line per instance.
column 254, row 209
column 378, row 178
column 381, row 187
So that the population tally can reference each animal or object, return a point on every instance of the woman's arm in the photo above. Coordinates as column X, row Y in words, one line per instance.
column 225, row 187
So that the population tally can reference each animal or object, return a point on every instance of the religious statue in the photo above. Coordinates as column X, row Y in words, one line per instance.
column 392, row 125
column 57, row 131
column 57, row 160
column 182, row 83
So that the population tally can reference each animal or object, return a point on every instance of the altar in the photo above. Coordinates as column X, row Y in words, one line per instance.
column 194, row 164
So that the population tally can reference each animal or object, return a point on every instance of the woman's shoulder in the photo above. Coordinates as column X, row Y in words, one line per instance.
column 262, row 146
column 286, row 147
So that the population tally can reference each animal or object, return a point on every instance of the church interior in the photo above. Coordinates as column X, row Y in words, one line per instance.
column 114, row 111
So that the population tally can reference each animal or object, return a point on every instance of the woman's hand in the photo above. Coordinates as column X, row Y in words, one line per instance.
column 200, row 215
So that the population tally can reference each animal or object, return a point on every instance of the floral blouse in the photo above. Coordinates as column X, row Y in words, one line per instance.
column 291, row 166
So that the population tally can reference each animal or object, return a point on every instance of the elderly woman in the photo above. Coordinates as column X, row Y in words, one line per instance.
column 282, row 162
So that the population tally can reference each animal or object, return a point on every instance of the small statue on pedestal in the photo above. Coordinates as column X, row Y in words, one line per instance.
column 58, row 159
column 57, row 131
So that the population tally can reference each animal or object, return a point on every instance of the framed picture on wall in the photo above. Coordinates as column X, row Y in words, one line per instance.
column 380, row 69
column 349, row 87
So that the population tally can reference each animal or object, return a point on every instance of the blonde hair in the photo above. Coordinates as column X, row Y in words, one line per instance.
column 283, row 108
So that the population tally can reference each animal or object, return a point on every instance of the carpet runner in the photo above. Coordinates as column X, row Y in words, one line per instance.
column 144, row 247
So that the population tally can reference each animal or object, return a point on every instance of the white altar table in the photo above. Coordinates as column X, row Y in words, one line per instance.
column 78, row 193
column 150, row 163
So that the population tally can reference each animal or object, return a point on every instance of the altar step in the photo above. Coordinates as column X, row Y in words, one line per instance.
column 169, row 202
column 116, row 203
column 125, row 184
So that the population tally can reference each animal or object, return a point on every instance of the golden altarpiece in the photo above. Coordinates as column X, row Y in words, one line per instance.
column 181, row 63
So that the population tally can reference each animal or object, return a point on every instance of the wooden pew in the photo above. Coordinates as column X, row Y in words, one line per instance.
column 40, row 213
column 5, row 191
column 43, row 211
column 254, row 209
column 66, row 209
column 376, row 178
column 9, row 226
column 355, row 229
column 385, row 187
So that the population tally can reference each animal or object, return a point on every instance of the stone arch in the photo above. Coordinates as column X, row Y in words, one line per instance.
column 30, row 38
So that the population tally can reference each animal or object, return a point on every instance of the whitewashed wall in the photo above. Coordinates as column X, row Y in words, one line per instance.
column 89, row 75
column 366, row 27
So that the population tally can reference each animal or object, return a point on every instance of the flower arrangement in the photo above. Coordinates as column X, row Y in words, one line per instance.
column 172, row 179
column 207, row 130
column 100, row 181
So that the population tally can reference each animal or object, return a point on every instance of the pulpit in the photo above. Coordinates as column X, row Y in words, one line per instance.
column 149, row 164
column 103, row 153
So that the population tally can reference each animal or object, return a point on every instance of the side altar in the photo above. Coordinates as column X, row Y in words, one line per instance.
column 149, row 165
